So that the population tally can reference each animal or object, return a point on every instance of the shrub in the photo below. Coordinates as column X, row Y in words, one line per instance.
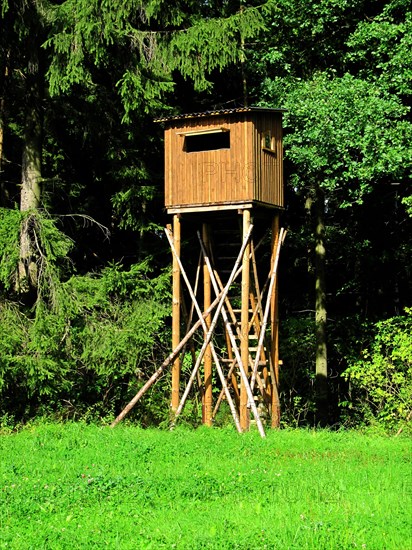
column 84, row 344
column 381, row 379
column 297, row 375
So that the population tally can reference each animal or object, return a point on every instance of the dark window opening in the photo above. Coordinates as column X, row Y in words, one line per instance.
column 207, row 142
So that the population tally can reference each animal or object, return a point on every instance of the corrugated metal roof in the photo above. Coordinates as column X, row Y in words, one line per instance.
column 219, row 112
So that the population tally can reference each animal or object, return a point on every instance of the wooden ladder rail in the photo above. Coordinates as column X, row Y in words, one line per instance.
column 233, row 341
column 209, row 333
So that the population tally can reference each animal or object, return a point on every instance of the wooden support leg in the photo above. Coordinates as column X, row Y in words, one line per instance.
column 176, row 314
column 275, row 328
column 245, row 381
column 233, row 275
column 207, row 360
column 244, row 343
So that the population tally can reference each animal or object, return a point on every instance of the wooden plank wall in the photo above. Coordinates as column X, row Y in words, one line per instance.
column 242, row 173
column 269, row 166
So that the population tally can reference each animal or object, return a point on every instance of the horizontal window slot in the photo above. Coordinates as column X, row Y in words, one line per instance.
column 207, row 141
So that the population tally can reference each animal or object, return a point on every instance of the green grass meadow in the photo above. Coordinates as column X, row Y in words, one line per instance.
column 82, row 486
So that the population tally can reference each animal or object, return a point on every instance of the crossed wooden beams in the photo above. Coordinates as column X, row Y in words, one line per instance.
column 240, row 359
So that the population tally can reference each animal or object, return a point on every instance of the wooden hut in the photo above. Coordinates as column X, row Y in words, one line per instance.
column 220, row 160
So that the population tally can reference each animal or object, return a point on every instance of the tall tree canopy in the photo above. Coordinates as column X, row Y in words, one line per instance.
column 80, row 158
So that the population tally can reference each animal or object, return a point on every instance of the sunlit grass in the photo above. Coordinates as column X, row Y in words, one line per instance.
column 77, row 486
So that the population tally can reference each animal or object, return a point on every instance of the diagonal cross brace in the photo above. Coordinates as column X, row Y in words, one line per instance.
column 234, row 344
column 164, row 365
column 209, row 332
column 267, row 308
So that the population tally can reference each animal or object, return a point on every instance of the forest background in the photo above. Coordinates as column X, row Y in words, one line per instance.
column 85, row 296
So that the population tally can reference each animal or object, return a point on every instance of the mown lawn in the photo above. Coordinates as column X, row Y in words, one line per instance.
column 77, row 486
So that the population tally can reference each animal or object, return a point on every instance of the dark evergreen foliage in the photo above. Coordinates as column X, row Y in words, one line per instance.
column 94, row 323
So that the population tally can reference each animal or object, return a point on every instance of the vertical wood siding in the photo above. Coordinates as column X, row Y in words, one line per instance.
column 243, row 173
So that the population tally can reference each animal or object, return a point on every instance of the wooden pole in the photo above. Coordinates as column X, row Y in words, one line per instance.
column 233, row 375
column 238, row 332
column 188, row 318
column 221, row 394
column 218, row 301
column 245, row 382
column 164, row 365
column 209, row 334
column 257, row 308
column 244, row 323
column 207, row 359
column 275, row 329
column 263, row 385
column 269, row 300
column 176, row 290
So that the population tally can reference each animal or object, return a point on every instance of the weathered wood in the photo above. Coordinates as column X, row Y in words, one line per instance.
column 232, row 375
column 209, row 208
column 233, row 379
column 207, row 360
column 263, row 359
column 275, row 420
column 243, row 169
column 244, row 323
column 231, row 312
column 189, row 318
column 232, row 315
column 222, row 392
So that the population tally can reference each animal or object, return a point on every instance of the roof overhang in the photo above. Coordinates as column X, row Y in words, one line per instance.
column 220, row 112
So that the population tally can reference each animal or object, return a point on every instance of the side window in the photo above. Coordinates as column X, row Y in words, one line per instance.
column 268, row 142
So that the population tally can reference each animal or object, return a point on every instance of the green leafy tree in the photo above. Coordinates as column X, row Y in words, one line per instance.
column 342, row 71
column 381, row 378
column 88, row 344
column 92, row 76
column 24, row 34
column 380, row 49
column 346, row 135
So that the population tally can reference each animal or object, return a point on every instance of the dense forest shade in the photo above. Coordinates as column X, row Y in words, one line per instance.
column 84, row 268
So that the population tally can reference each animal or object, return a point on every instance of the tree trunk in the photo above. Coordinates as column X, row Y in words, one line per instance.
column 30, row 196
column 243, row 65
column 3, row 86
column 321, row 388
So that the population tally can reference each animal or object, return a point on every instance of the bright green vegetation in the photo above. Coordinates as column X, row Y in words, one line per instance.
column 78, row 486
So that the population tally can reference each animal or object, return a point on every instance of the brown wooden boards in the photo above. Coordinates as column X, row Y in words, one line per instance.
column 223, row 158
